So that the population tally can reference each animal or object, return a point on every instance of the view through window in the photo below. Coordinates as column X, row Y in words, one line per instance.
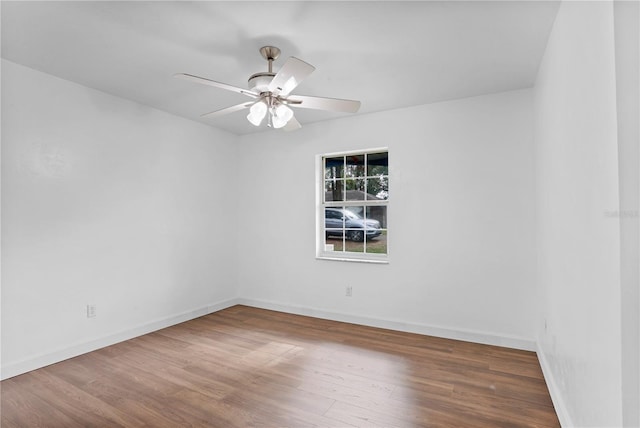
column 355, row 202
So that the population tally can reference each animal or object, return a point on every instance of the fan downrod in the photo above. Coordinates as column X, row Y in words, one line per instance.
column 270, row 53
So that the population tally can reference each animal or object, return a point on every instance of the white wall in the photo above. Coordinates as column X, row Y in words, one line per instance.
column 627, row 53
column 111, row 203
column 461, row 221
column 578, row 225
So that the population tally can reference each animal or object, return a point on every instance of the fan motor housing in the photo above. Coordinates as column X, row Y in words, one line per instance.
column 259, row 82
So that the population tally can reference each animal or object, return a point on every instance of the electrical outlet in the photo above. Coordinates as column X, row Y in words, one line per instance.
column 91, row 311
column 348, row 291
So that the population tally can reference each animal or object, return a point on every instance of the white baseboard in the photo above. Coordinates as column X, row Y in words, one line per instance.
column 554, row 391
column 447, row 333
column 39, row 361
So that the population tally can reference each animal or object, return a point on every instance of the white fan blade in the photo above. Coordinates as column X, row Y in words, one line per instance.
column 292, row 125
column 213, row 83
column 319, row 103
column 289, row 76
column 228, row 110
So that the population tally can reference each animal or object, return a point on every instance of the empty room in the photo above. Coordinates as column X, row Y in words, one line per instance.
column 320, row 214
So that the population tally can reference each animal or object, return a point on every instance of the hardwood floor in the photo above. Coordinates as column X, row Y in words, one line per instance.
column 244, row 367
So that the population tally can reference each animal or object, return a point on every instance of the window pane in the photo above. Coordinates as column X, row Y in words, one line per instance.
column 334, row 240
column 378, row 188
column 334, row 190
column 377, row 244
column 352, row 243
column 355, row 166
column 334, row 167
column 355, row 229
column 354, row 214
column 377, row 214
column 334, row 218
column 355, row 189
column 377, row 164
column 356, row 235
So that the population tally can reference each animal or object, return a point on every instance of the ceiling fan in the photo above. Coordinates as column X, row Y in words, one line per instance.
column 270, row 93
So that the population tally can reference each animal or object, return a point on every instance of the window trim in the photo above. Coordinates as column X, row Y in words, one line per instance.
column 343, row 256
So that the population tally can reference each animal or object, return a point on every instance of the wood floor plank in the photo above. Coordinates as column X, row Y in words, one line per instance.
column 78, row 404
column 244, row 367
column 22, row 408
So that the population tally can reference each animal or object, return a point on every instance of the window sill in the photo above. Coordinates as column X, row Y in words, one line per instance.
column 379, row 261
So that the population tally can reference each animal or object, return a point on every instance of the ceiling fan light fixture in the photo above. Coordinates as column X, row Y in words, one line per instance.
column 277, row 122
column 281, row 115
column 257, row 112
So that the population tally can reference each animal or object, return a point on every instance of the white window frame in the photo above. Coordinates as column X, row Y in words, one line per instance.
column 321, row 252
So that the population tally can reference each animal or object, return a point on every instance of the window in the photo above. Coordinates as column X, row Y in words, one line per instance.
column 353, row 197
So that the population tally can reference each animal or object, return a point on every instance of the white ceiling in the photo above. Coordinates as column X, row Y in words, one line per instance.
column 387, row 54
